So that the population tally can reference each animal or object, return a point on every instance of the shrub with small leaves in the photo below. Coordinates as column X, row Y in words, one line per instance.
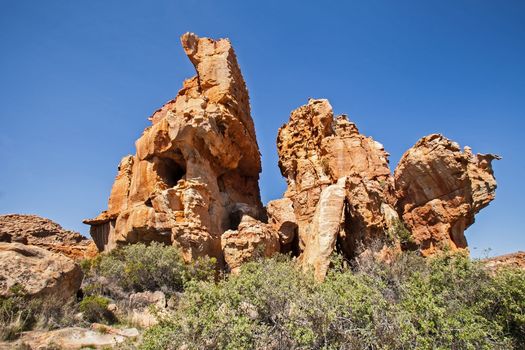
column 139, row 267
column 95, row 309
column 446, row 302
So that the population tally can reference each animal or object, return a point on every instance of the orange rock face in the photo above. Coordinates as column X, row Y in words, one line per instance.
column 193, row 181
column 317, row 151
column 435, row 193
column 252, row 239
column 44, row 233
column 515, row 260
column 440, row 189
column 196, row 168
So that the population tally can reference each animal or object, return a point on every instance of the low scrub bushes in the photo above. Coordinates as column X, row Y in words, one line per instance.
column 139, row 268
column 447, row 302
column 19, row 313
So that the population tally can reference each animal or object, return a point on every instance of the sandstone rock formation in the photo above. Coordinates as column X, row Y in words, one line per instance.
column 39, row 272
column 252, row 239
column 141, row 305
column 435, row 193
column 317, row 151
column 281, row 217
column 193, row 181
column 44, row 233
column 440, row 189
column 515, row 260
column 196, row 168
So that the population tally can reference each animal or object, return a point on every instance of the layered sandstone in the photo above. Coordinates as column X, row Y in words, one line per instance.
column 440, row 188
column 433, row 197
column 44, row 233
column 317, row 151
column 193, row 181
column 196, row 168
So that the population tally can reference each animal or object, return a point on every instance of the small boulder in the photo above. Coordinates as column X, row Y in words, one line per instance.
column 39, row 272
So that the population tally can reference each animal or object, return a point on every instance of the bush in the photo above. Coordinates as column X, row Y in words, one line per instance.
column 19, row 313
column 16, row 315
column 95, row 309
column 447, row 302
column 138, row 268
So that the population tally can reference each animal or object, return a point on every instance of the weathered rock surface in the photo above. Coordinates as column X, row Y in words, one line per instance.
column 435, row 193
column 316, row 151
column 72, row 338
column 140, row 305
column 252, row 239
column 324, row 229
column 281, row 217
column 194, row 166
column 193, row 181
column 440, row 189
column 516, row 260
column 44, row 233
column 38, row 271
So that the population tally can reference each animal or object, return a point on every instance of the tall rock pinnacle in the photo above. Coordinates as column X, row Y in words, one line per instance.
column 196, row 168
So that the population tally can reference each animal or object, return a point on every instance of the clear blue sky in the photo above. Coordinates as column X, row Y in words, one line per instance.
column 78, row 80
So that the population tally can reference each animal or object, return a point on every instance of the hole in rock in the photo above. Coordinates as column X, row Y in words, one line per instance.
column 171, row 171
column 235, row 219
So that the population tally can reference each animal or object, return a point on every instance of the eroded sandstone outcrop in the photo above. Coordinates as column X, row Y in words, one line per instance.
column 194, row 167
column 427, row 205
column 512, row 260
column 193, row 181
column 440, row 189
column 44, row 233
column 317, row 151
column 252, row 239
column 38, row 272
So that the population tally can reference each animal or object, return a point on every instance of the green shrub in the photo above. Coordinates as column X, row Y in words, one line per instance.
column 19, row 313
column 95, row 309
column 138, row 268
column 447, row 302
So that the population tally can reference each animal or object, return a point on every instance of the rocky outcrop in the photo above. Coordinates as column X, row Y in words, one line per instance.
column 37, row 272
column 427, row 205
column 74, row 338
column 194, row 167
column 251, row 240
column 44, row 233
column 440, row 189
column 514, row 260
column 317, row 151
column 193, row 181
column 141, row 305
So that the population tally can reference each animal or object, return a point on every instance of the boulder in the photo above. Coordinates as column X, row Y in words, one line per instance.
column 194, row 166
column 73, row 338
column 141, row 304
column 439, row 189
column 281, row 217
column 39, row 272
column 252, row 239
column 44, row 233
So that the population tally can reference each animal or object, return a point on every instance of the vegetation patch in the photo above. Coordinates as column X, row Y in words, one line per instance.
column 446, row 302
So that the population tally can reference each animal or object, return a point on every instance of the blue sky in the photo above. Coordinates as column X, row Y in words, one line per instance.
column 78, row 80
